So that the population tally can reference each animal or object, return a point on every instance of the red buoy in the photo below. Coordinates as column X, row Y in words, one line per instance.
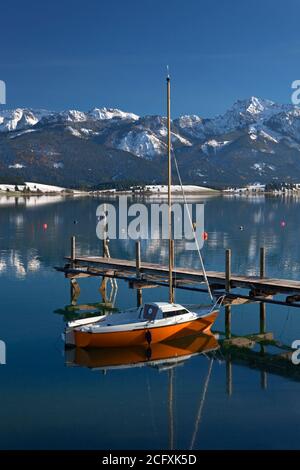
column 45, row 226
column 205, row 236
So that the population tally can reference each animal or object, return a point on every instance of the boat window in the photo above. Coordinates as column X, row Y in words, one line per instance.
column 150, row 312
column 172, row 313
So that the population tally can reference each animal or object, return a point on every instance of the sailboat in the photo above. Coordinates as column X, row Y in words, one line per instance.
column 153, row 322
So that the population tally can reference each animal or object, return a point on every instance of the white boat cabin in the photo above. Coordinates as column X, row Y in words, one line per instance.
column 158, row 310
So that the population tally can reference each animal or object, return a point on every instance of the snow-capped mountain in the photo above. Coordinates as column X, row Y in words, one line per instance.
column 19, row 118
column 254, row 140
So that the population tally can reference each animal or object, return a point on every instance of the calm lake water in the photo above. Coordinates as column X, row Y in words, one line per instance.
column 47, row 402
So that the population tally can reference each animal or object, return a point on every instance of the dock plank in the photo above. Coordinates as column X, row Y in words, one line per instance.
column 193, row 275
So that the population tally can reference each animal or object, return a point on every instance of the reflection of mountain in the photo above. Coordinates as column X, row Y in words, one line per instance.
column 25, row 238
column 32, row 201
column 13, row 263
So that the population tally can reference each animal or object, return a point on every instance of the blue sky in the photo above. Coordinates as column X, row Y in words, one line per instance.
column 81, row 54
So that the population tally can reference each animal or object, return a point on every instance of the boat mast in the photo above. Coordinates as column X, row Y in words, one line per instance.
column 171, row 254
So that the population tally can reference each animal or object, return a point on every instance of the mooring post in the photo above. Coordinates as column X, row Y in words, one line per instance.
column 138, row 258
column 139, row 297
column 73, row 250
column 227, row 270
column 262, row 262
column 228, row 321
column 105, row 248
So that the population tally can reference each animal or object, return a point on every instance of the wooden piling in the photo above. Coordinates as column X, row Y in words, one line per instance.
column 262, row 263
column 138, row 258
column 139, row 297
column 105, row 248
column 227, row 270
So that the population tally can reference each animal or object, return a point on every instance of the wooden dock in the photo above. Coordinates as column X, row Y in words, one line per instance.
column 116, row 267
column 140, row 275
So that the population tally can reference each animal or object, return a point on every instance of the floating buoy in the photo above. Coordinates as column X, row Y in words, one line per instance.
column 45, row 226
column 283, row 223
column 241, row 227
column 205, row 236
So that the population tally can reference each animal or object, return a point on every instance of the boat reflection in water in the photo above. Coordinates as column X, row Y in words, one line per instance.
column 167, row 354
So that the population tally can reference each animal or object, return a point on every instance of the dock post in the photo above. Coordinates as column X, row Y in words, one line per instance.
column 139, row 297
column 105, row 248
column 73, row 250
column 262, row 262
column 138, row 258
column 228, row 321
column 227, row 270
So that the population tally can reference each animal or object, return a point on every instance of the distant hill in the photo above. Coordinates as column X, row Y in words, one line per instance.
column 256, row 140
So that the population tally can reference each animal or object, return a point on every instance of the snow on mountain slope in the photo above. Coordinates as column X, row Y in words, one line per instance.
column 73, row 115
column 251, row 112
column 246, row 112
column 213, row 145
column 142, row 144
column 19, row 118
column 111, row 113
column 286, row 123
column 192, row 125
column 253, row 137
column 73, row 131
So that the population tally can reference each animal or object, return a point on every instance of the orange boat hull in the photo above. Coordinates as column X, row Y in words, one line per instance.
column 138, row 337
column 111, row 357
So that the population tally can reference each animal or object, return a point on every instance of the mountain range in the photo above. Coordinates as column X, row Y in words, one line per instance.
column 256, row 140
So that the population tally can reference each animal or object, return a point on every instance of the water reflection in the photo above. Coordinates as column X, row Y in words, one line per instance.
column 164, row 357
column 35, row 385
column 160, row 355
